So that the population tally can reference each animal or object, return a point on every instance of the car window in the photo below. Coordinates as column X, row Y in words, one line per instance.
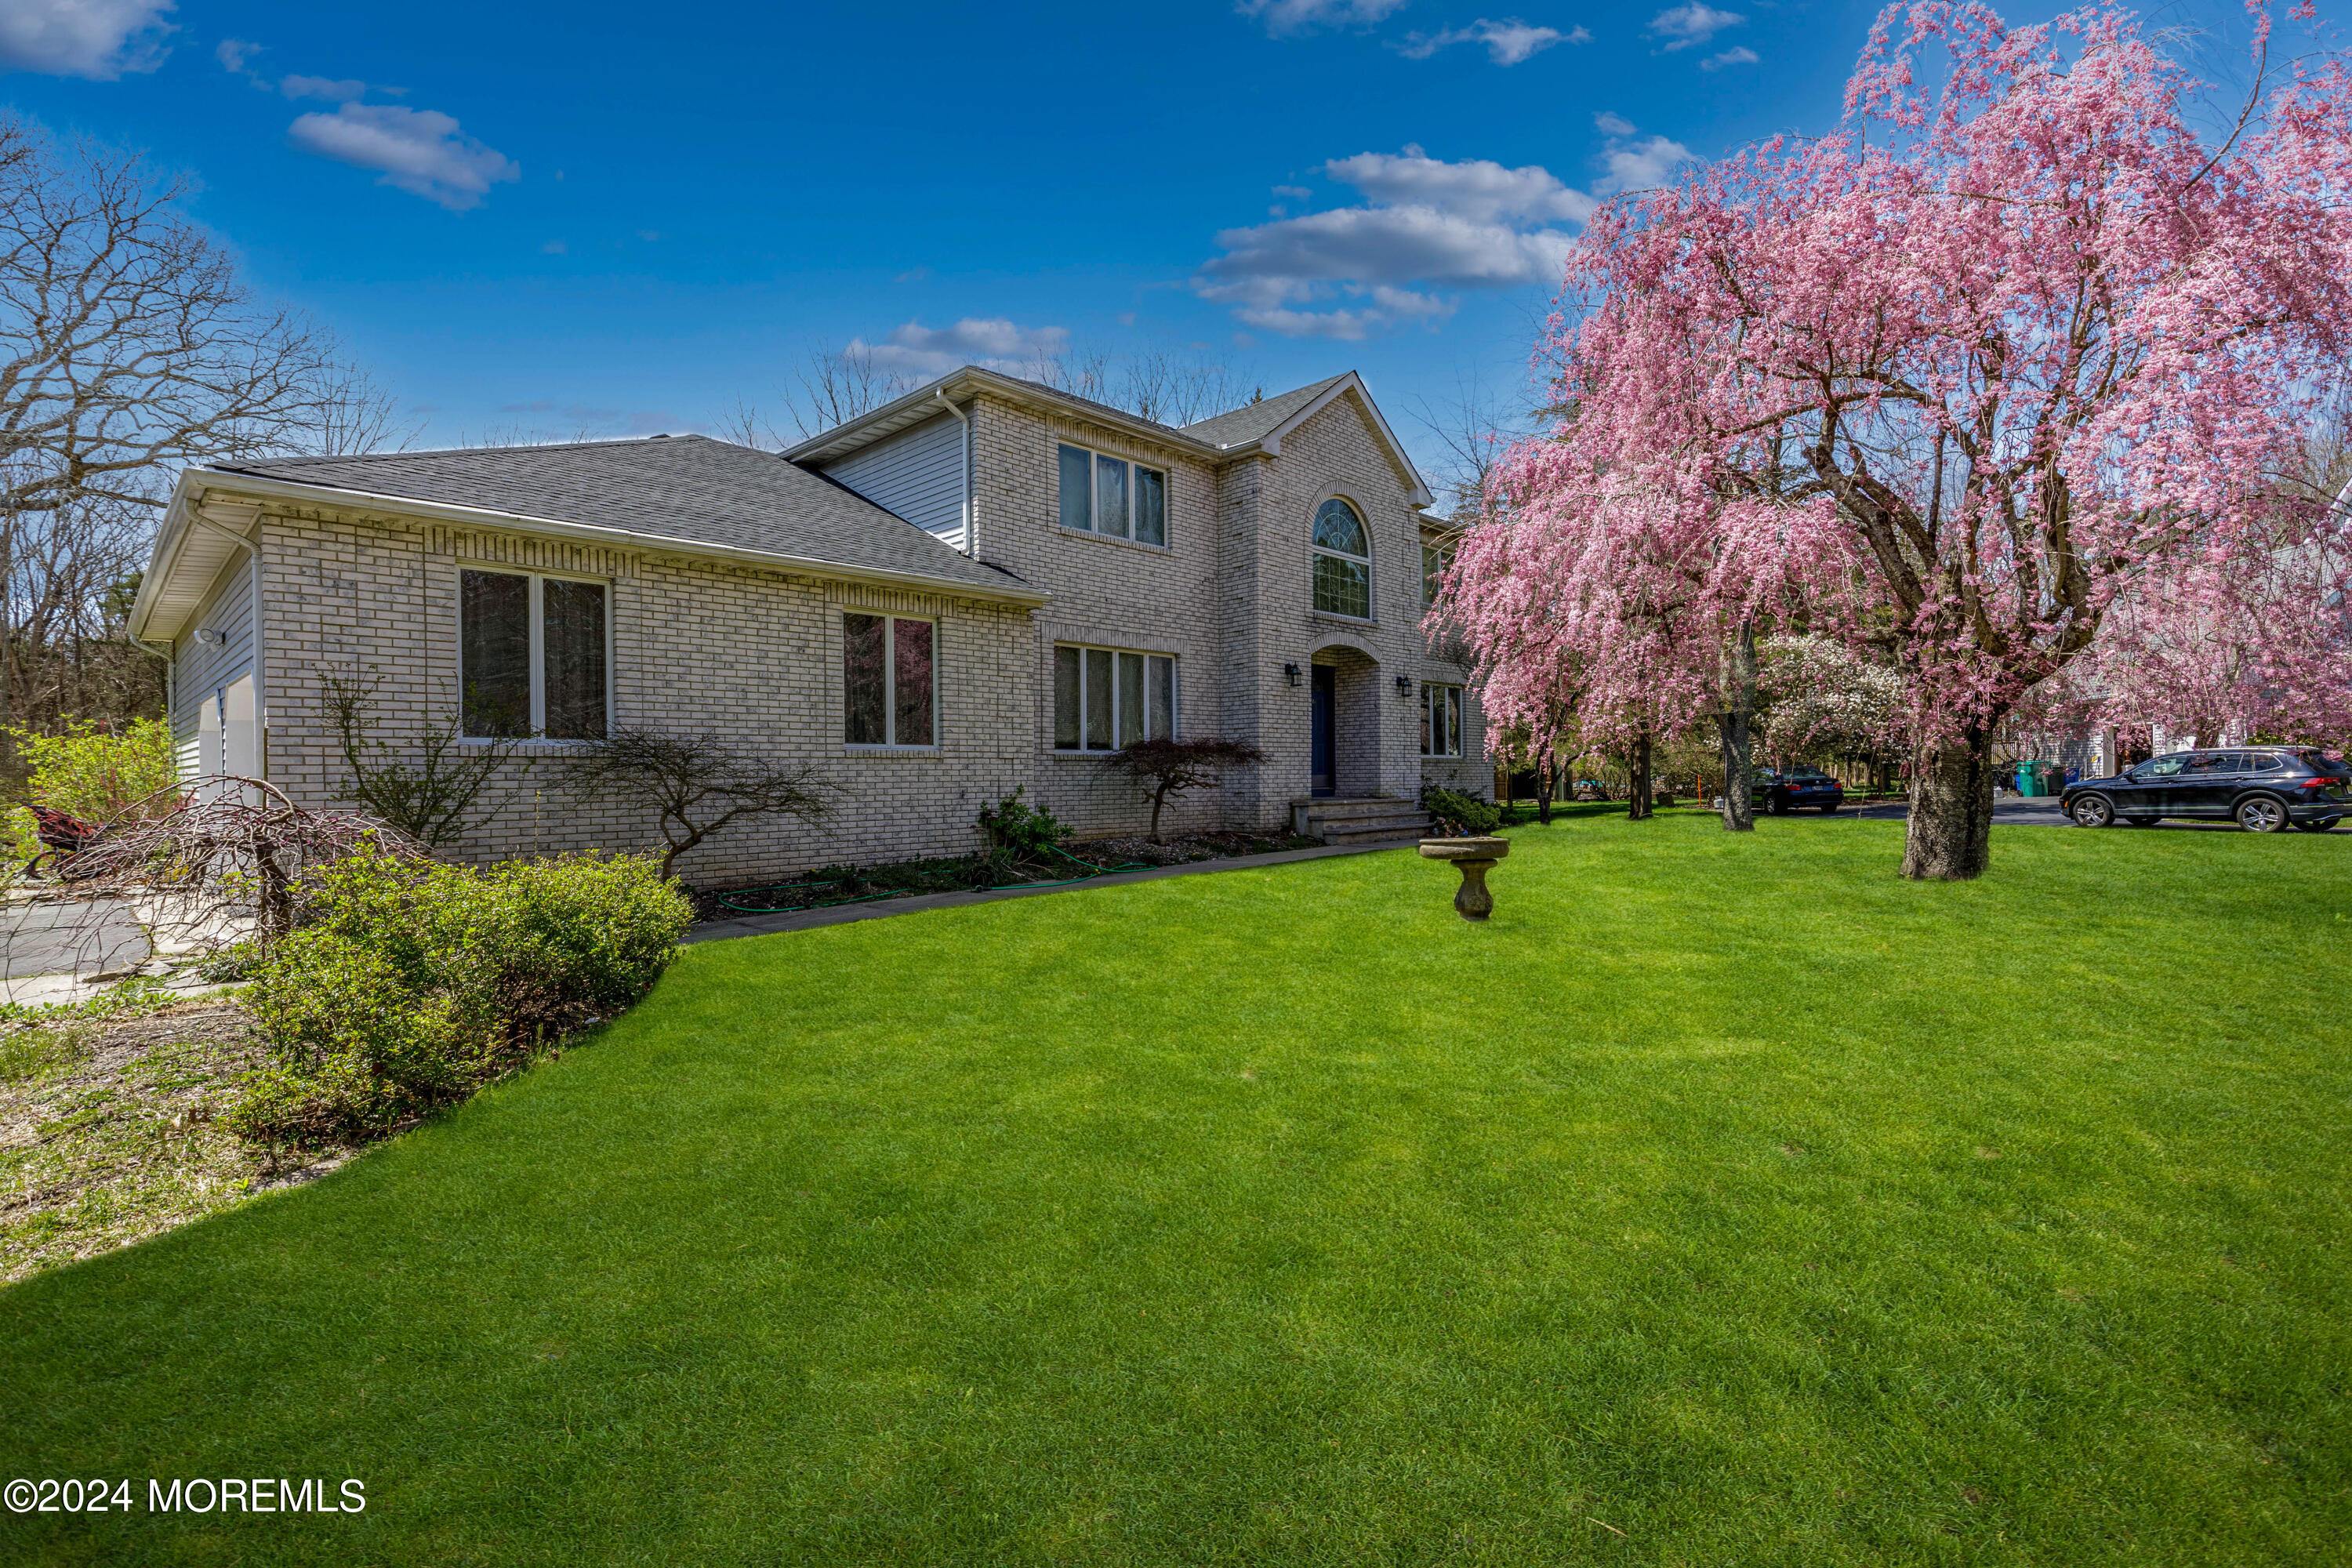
column 2162, row 768
column 2264, row 763
column 2207, row 763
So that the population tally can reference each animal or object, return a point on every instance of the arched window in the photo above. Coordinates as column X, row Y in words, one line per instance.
column 1343, row 561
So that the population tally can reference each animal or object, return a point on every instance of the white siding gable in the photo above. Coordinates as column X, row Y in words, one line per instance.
column 916, row 474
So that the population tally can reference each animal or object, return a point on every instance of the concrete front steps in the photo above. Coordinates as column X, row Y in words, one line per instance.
column 1363, row 820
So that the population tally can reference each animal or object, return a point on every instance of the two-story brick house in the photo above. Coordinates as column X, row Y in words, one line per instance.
column 986, row 583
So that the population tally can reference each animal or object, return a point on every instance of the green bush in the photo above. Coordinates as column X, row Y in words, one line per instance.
column 94, row 770
column 1017, row 830
column 409, row 986
column 1464, row 816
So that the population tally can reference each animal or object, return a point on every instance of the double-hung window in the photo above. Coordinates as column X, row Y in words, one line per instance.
column 1441, row 721
column 532, row 653
column 1106, row 700
column 1434, row 559
column 889, row 695
column 1103, row 494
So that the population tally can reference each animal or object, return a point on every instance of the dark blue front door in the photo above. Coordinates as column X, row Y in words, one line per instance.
column 1319, row 765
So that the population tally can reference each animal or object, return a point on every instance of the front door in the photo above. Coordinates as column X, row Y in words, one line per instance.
column 1326, row 703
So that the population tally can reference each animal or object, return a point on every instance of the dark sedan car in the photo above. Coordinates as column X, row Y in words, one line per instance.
column 1785, row 790
column 2263, row 789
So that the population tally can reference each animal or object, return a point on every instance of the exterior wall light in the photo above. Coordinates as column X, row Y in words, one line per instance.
column 1290, row 673
column 1404, row 686
column 209, row 637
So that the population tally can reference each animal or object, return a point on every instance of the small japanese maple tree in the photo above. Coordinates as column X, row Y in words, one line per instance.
column 1167, row 767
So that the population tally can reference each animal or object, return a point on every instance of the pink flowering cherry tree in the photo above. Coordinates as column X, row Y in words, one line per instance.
column 1968, row 367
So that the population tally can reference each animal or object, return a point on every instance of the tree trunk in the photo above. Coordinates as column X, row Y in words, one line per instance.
column 1739, row 751
column 1546, row 781
column 1949, row 836
column 1638, row 810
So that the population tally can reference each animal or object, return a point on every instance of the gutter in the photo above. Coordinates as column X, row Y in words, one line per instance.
column 266, row 488
column 971, row 520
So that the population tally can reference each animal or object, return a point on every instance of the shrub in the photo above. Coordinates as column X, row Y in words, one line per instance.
column 1464, row 816
column 1017, row 830
column 94, row 770
column 410, row 985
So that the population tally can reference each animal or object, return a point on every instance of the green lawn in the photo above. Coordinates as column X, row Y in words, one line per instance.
column 1724, row 1201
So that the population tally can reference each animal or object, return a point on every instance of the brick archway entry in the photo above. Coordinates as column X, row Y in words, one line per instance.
column 1345, row 733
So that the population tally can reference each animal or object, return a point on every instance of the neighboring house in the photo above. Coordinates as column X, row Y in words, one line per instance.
column 986, row 584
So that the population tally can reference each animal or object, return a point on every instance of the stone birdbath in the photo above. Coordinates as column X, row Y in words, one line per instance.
column 1472, row 901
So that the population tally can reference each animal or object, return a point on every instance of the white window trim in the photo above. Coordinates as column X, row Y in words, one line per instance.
column 535, row 613
column 1371, row 578
column 1461, row 720
column 891, row 684
column 1175, row 698
column 1094, row 455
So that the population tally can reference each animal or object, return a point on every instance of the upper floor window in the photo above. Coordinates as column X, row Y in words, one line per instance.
column 531, row 653
column 1103, row 494
column 887, row 687
column 1434, row 559
column 1106, row 700
column 1343, row 561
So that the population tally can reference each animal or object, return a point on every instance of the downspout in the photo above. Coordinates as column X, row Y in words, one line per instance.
column 963, row 451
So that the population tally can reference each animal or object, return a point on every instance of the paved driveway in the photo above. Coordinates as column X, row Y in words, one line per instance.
column 41, row 937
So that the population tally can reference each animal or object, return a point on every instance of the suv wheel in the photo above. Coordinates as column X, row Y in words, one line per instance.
column 2261, row 814
column 2320, row 825
column 2092, row 811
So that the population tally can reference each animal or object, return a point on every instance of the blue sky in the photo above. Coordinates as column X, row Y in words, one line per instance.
column 546, row 219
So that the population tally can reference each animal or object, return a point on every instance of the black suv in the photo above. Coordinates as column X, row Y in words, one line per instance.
column 2262, row 788
column 1797, row 789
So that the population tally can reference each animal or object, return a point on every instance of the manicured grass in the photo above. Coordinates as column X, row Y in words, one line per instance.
column 1724, row 1201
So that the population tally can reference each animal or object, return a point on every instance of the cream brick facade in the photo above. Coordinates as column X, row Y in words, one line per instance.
column 368, row 589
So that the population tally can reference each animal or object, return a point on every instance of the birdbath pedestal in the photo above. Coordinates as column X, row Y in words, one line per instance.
column 1472, row 901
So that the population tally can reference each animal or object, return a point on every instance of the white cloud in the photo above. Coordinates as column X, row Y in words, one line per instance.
column 1636, row 165
column 1428, row 224
column 1691, row 24
column 1284, row 18
column 1610, row 124
column 322, row 86
column 99, row 39
column 419, row 150
column 234, row 53
column 1740, row 56
column 1476, row 188
column 1508, row 42
column 921, row 353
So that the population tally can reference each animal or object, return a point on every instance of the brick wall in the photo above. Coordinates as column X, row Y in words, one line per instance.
column 750, row 654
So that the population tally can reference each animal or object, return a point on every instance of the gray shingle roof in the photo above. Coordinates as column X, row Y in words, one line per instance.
column 1256, row 421
column 686, row 488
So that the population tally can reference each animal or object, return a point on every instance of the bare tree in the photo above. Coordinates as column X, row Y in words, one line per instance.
column 127, row 341
column 356, row 415
column 1177, row 389
column 1471, row 428
column 698, row 785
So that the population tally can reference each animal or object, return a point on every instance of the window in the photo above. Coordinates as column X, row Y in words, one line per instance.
column 1343, row 561
column 1441, row 721
column 1103, row 494
column 1434, row 559
column 889, row 698
column 1107, row 698
column 531, row 656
